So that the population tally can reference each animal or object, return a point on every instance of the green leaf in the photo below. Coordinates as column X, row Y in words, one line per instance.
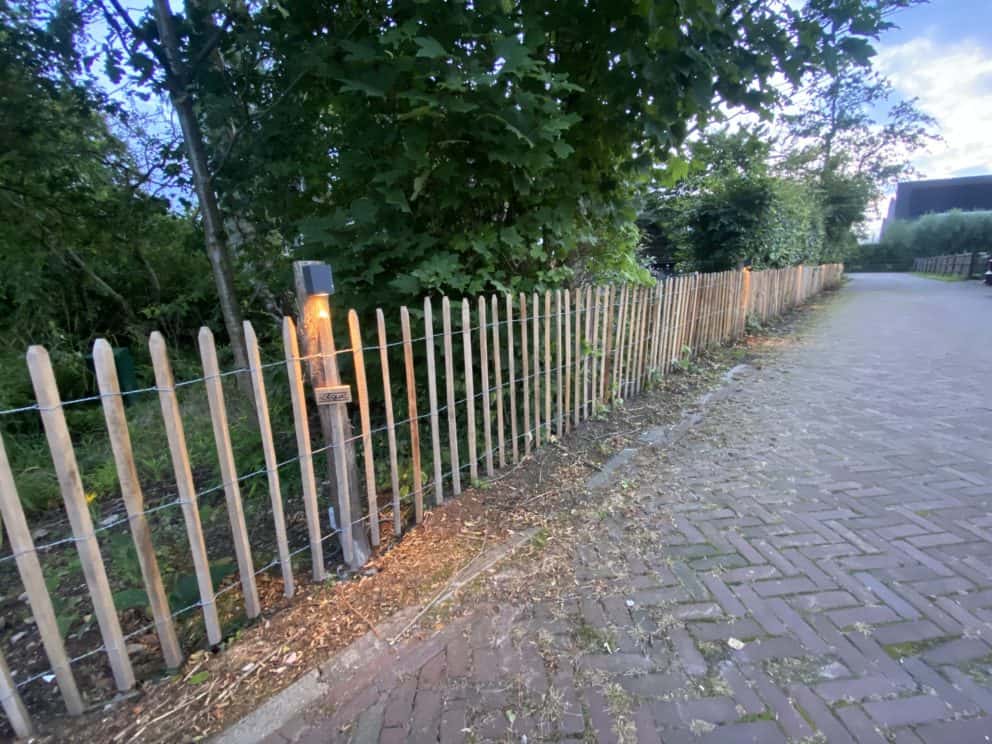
column 562, row 149
column 128, row 599
column 199, row 678
column 418, row 184
column 360, row 86
column 429, row 47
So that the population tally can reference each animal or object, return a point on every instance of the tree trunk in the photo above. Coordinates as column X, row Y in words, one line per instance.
column 217, row 248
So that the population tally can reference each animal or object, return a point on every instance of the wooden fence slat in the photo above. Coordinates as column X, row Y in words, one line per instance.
column 498, row 379
column 675, row 295
column 525, row 371
column 646, row 325
column 558, row 361
column 547, row 364
column 449, row 384
column 675, row 290
column 184, row 482
column 605, row 367
column 411, row 407
column 536, row 346
column 616, row 390
column 655, row 333
column 594, row 352
column 301, row 425
column 473, row 462
column 432, row 398
column 362, row 390
column 577, row 391
column 511, row 369
column 387, row 401
column 29, row 567
column 587, row 351
column 568, row 361
column 71, row 486
column 630, row 341
column 134, row 500
column 13, row 706
column 269, row 452
column 635, row 340
column 641, row 337
column 228, row 471
column 487, row 422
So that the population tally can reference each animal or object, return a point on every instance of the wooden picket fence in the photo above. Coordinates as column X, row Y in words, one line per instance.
column 531, row 368
column 954, row 264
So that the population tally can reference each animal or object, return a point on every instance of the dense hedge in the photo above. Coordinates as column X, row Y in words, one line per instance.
column 940, row 234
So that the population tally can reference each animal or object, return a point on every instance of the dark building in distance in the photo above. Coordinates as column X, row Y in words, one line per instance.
column 917, row 198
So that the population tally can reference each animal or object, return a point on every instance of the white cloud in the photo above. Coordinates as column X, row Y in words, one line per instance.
column 954, row 85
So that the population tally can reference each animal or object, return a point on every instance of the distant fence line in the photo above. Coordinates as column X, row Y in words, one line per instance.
column 548, row 364
column 966, row 265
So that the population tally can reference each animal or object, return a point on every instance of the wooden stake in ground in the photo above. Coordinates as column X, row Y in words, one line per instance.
column 432, row 399
column 134, row 500
column 577, row 387
column 498, row 375
column 567, row 415
column 271, row 462
column 608, row 318
column 316, row 335
column 547, row 363
column 526, row 372
column 411, row 404
column 67, row 472
column 228, row 472
column 558, row 362
column 301, row 424
column 449, row 383
column 26, row 557
column 362, row 390
column 511, row 364
column 13, row 706
column 473, row 463
column 387, row 398
column 487, row 435
column 536, row 346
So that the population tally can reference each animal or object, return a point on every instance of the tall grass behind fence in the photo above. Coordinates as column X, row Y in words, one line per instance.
column 468, row 388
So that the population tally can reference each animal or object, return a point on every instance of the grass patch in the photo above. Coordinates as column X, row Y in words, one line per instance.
column 913, row 648
column 593, row 640
column 940, row 277
column 765, row 715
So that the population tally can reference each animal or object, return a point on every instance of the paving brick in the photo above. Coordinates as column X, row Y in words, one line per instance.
column 426, row 716
column 957, row 651
column 822, row 601
column 871, row 615
column 956, row 732
column 907, row 711
column 861, row 727
column 906, row 632
column 794, row 725
column 601, row 720
column 821, row 716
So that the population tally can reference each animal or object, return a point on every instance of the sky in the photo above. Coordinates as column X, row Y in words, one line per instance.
column 941, row 53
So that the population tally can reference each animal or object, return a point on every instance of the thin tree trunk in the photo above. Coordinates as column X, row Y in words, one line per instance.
column 217, row 248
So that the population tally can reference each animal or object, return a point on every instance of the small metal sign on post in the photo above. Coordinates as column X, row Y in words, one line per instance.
column 332, row 394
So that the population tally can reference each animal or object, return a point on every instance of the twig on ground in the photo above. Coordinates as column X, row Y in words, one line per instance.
column 364, row 619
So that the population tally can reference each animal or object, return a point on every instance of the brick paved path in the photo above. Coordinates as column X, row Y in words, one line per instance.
column 811, row 562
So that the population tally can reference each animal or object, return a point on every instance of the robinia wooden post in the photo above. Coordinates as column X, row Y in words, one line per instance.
column 320, row 353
